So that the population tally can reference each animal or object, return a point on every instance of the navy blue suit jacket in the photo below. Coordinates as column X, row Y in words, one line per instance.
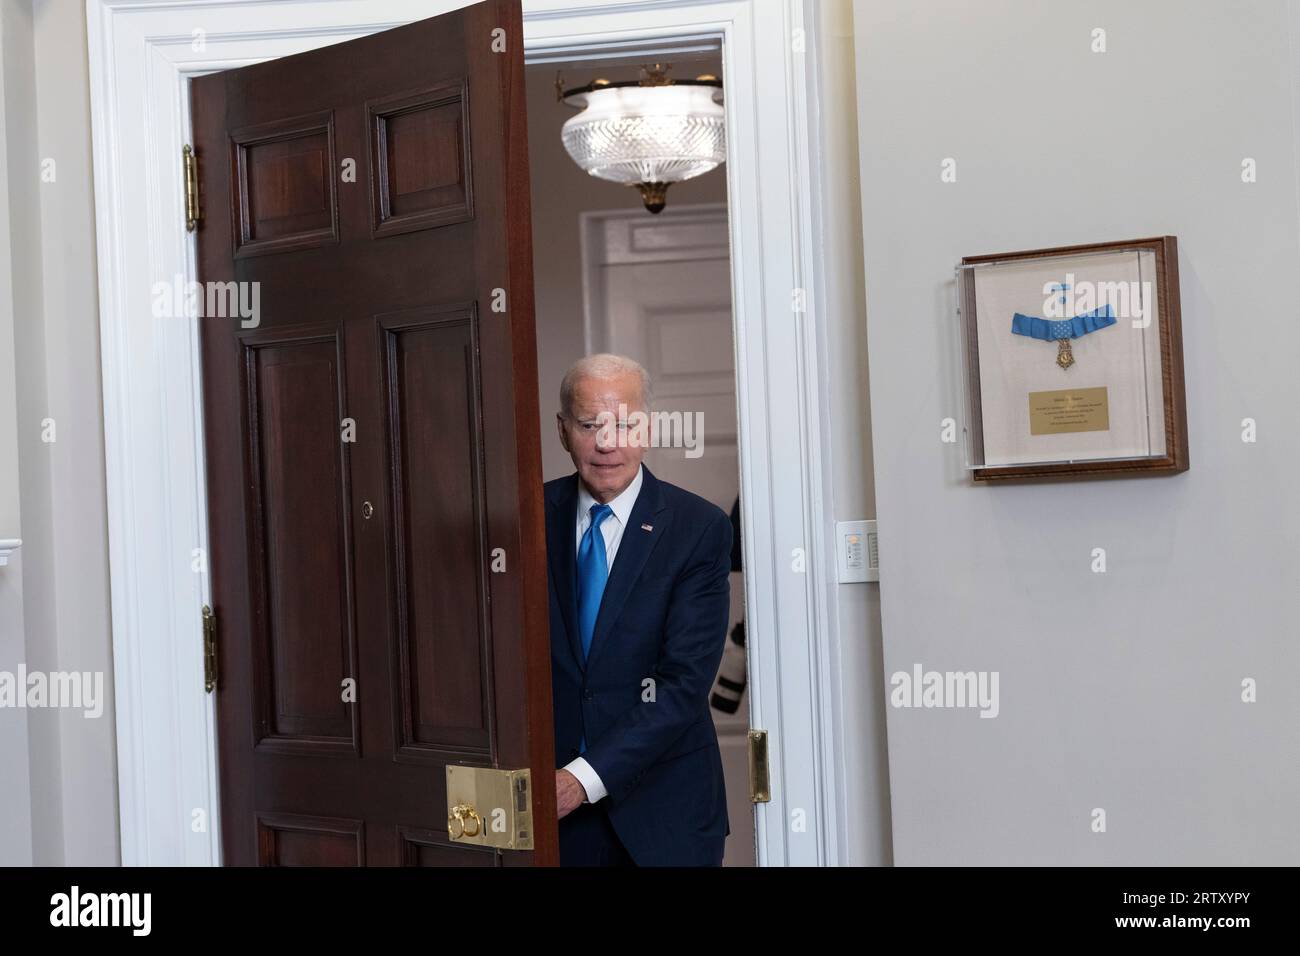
column 642, row 697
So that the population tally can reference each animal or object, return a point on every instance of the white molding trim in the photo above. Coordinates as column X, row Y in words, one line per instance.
column 7, row 547
column 142, row 56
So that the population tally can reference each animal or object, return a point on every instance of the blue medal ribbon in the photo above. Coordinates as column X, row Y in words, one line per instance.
column 1053, row 330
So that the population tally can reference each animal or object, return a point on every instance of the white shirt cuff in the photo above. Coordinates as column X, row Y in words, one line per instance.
column 589, row 779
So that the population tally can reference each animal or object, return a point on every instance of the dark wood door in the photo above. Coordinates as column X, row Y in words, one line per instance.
column 373, row 458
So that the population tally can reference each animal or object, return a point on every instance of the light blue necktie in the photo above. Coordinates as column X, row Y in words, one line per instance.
column 593, row 570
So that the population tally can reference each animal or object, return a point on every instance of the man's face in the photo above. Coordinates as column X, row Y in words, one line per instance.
column 605, row 454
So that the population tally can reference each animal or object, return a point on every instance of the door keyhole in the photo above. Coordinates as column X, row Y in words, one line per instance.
column 367, row 509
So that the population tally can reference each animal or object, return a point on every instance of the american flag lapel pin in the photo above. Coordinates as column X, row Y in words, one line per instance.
column 647, row 527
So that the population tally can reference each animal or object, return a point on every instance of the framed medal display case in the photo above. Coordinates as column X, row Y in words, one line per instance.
column 1072, row 362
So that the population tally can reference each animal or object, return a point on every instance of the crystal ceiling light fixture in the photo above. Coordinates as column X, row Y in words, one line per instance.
column 648, row 133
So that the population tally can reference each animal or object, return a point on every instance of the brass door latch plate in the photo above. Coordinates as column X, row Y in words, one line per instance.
column 490, row 807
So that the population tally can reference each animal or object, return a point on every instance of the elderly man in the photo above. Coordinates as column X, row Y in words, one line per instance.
column 639, row 603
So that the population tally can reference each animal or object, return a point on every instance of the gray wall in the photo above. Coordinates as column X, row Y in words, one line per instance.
column 54, row 350
column 86, row 789
column 17, row 124
column 1118, row 690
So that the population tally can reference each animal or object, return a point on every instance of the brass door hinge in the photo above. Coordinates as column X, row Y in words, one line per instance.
column 192, row 211
column 760, row 788
column 209, row 649
column 490, row 807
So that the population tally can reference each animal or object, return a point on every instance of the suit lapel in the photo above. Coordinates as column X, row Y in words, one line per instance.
column 562, row 530
column 633, row 550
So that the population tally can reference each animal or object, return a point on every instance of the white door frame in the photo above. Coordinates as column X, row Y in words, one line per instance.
column 142, row 55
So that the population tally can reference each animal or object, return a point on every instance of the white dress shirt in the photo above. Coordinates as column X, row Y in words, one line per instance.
column 612, row 530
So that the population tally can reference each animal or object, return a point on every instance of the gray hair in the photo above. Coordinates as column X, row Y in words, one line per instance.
column 602, row 365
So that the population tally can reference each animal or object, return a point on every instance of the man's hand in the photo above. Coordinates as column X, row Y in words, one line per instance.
column 569, row 794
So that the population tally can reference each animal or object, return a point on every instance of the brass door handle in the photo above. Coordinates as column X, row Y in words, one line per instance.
column 458, row 823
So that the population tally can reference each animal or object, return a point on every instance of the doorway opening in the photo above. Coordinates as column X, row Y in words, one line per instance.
column 609, row 276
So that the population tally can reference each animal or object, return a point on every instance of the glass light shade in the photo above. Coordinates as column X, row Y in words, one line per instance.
column 647, row 134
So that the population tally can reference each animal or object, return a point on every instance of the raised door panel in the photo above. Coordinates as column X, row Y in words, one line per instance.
column 440, row 522
column 286, row 839
column 283, row 191
column 304, row 634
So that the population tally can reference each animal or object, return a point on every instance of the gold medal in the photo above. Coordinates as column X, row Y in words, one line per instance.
column 1064, row 356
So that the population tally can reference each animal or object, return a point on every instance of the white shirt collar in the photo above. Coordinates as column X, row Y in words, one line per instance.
column 621, row 506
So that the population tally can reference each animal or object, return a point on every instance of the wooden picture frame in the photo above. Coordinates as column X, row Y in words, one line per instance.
column 1015, row 432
